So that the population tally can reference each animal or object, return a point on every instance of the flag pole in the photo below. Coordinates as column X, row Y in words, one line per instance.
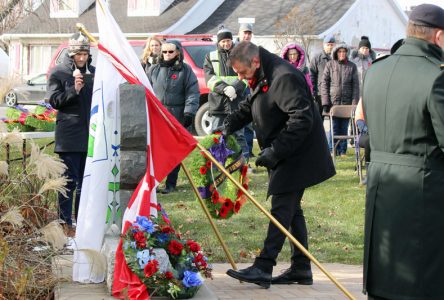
column 82, row 29
column 207, row 213
column 276, row 223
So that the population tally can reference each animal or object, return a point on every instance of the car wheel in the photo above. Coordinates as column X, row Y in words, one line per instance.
column 11, row 99
column 203, row 121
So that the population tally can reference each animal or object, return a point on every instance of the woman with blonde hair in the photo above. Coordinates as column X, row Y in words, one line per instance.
column 151, row 52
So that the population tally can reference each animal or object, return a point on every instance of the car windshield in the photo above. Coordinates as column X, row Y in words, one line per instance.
column 198, row 53
column 41, row 79
column 138, row 49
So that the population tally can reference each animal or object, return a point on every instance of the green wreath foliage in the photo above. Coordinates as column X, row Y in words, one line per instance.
column 223, row 199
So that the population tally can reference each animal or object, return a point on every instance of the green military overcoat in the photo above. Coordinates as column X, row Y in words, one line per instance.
column 403, row 98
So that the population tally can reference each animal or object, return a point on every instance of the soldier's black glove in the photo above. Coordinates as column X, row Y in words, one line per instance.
column 267, row 158
column 325, row 109
column 187, row 120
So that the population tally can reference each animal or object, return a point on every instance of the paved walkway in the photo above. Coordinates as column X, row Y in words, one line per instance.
column 224, row 287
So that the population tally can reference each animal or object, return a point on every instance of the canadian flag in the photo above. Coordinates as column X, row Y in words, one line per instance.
column 168, row 143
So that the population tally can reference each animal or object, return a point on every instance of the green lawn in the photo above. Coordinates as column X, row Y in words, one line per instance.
column 334, row 211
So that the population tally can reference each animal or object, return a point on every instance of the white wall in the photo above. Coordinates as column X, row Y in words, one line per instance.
column 380, row 20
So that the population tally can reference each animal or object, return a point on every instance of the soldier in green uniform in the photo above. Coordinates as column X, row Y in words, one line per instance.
column 404, row 220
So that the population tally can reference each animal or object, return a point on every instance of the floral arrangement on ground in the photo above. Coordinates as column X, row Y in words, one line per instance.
column 188, row 267
column 43, row 118
column 222, row 197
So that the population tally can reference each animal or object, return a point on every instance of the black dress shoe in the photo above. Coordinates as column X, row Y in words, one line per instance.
column 167, row 190
column 253, row 275
column 304, row 277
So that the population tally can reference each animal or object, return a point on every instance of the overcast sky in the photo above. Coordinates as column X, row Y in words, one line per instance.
column 407, row 3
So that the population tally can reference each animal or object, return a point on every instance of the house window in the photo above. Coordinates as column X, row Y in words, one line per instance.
column 40, row 58
column 64, row 8
column 142, row 8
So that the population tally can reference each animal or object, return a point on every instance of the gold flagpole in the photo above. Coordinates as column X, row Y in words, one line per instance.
column 276, row 223
column 207, row 213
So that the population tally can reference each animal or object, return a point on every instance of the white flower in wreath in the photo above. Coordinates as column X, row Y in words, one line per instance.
column 143, row 257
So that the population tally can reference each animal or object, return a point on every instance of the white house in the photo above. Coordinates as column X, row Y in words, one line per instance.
column 34, row 41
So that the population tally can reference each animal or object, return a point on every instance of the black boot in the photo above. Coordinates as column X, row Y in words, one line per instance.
column 167, row 190
column 304, row 277
column 253, row 275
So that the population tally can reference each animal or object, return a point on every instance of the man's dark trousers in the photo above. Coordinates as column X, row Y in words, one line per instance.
column 75, row 163
column 286, row 208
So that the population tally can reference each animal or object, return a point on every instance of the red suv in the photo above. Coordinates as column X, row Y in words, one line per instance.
column 195, row 47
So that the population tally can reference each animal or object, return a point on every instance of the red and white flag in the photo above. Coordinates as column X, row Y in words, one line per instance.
column 168, row 143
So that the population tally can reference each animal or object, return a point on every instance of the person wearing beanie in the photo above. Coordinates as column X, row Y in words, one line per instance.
column 69, row 90
column 363, row 60
column 339, row 86
column 177, row 88
column 403, row 101
column 226, row 90
column 317, row 66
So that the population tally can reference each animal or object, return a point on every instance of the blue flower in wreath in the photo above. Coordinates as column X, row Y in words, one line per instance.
column 220, row 151
column 145, row 224
column 191, row 279
column 144, row 257
column 162, row 238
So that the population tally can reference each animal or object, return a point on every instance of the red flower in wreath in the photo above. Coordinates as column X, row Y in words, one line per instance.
column 169, row 275
column 208, row 164
column 167, row 229
column 175, row 247
column 228, row 204
column 203, row 170
column 199, row 261
column 139, row 237
column 216, row 140
column 151, row 268
column 194, row 247
column 223, row 212
column 237, row 206
column 215, row 197
column 174, row 76
column 245, row 186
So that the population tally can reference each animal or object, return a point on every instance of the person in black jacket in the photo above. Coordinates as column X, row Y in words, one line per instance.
column 176, row 86
column 294, row 148
column 69, row 90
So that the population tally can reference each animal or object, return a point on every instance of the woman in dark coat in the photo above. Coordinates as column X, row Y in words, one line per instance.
column 175, row 85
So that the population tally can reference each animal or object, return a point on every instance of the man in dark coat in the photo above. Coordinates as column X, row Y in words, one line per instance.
column 69, row 90
column 403, row 97
column 294, row 150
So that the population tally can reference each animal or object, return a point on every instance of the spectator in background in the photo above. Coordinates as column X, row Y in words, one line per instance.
column 339, row 86
column 363, row 60
column 69, row 90
column 295, row 55
column 355, row 52
column 176, row 86
column 317, row 68
column 404, row 108
column 246, row 34
column 151, row 52
column 227, row 91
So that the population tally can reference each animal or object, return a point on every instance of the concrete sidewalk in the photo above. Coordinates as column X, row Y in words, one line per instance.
column 224, row 287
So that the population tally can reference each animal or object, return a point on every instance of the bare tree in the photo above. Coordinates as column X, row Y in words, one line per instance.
column 298, row 25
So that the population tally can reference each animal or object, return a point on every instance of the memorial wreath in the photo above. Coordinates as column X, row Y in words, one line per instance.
column 222, row 197
column 187, row 268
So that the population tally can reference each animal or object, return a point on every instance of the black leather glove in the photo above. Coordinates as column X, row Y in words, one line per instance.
column 187, row 120
column 267, row 158
column 325, row 109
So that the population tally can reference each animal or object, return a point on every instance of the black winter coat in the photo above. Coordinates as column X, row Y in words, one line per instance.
column 72, row 123
column 176, row 87
column 284, row 116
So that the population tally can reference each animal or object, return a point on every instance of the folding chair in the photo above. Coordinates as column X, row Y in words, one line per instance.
column 340, row 111
column 358, row 157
